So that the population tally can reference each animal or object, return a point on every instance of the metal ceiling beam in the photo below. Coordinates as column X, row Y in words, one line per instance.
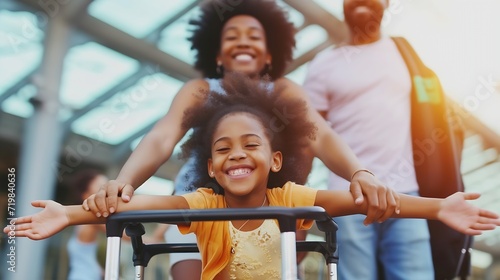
column 123, row 149
column 17, row 86
column 34, row 6
column 73, row 41
column 64, row 9
column 119, row 86
column 136, row 48
column 152, row 37
column 155, row 34
column 315, row 14
column 490, row 138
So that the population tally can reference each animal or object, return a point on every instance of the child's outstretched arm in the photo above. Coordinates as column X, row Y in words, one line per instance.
column 55, row 217
column 454, row 210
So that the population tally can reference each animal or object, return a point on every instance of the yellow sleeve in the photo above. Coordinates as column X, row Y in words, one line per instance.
column 293, row 195
column 200, row 199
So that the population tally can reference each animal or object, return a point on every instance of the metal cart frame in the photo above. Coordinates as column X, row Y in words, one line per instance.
column 287, row 217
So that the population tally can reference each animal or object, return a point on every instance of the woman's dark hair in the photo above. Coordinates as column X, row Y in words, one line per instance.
column 284, row 119
column 206, row 37
column 81, row 183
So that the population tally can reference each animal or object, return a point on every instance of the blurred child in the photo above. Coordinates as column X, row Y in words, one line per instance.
column 82, row 246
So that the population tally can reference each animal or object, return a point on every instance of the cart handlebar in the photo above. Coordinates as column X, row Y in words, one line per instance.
column 286, row 216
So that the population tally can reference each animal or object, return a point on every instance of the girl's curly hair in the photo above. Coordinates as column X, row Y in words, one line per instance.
column 284, row 119
column 206, row 36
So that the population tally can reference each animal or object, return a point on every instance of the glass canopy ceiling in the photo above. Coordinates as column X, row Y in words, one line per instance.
column 22, row 34
column 107, row 69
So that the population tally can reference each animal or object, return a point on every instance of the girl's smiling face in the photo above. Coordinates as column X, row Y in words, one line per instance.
column 243, row 46
column 242, row 159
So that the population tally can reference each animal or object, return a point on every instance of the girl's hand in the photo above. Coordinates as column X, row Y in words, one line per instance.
column 49, row 221
column 465, row 217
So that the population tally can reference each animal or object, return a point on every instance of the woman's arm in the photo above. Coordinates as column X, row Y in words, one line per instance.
column 55, row 217
column 339, row 158
column 154, row 149
column 454, row 210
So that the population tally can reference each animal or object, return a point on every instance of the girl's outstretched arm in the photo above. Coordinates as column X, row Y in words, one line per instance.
column 55, row 217
column 49, row 221
column 464, row 217
column 454, row 210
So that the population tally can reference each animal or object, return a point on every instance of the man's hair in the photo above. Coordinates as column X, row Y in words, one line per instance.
column 284, row 119
column 206, row 36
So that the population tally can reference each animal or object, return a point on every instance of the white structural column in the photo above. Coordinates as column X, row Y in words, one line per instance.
column 37, row 171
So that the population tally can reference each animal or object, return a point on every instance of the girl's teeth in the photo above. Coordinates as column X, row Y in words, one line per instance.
column 239, row 171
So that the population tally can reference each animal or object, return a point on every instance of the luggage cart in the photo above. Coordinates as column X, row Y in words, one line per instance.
column 286, row 217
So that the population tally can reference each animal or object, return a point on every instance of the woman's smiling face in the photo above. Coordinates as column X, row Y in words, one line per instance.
column 241, row 155
column 243, row 46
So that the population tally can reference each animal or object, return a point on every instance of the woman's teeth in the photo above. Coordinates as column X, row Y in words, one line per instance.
column 243, row 57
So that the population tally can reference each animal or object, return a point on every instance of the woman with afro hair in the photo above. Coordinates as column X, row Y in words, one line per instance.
column 254, row 38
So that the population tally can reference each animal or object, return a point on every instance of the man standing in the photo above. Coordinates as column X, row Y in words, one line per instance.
column 364, row 90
